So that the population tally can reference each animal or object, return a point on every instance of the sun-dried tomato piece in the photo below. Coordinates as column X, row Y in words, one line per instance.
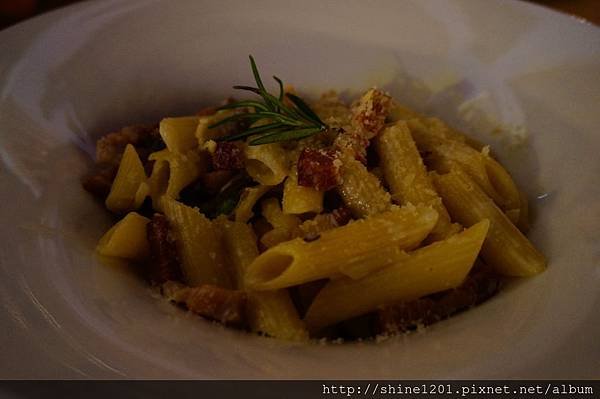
column 228, row 156
column 318, row 169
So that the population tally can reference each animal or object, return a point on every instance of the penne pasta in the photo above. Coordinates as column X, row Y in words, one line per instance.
column 271, row 313
column 365, row 245
column 130, row 187
column 299, row 199
column 179, row 133
column 437, row 267
column 406, row 176
column 249, row 198
column 506, row 249
column 446, row 152
column 267, row 164
column 203, row 260
column 126, row 239
column 172, row 171
column 332, row 220
column 285, row 227
column 361, row 191
column 204, row 133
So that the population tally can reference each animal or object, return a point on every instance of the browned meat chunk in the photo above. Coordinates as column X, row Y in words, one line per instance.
column 318, row 168
column 100, row 180
column 368, row 118
column 369, row 114
column 225, row 306
column 227, row 156
column 342, row 215
column 164, row 264
column 403, row 317
column 110, row 148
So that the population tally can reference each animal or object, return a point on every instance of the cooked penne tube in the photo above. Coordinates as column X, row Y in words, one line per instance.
column 285, row 227
column 268, row 312
column 267, row 164
column 350, row 247
column 406, row 176
column 179, row 133
column 126, row 239
column 203, row 259
column 249, row 198
column 204, row 133
column 437, row 267
column 172, row 172
column 446, row 152
column 130, row 187
column 361, row 190
column 299, row 199
column 506, row 249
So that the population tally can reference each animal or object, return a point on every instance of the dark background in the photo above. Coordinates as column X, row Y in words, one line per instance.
column 14, row 11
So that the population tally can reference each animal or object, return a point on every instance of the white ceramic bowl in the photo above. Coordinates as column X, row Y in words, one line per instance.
column 71, row 75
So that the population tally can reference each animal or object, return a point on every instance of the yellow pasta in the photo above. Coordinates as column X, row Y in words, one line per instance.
column 271, row 313
column 130, row 187
column 506, row 249
column 172, row 172
column 358, row 245
column 374, row 230
column 202, row 257
column 267, row 164
column 437, row 267
column 446, row 152
column 285, row 227
column 361, row 191
column 126, row 239
column 204, row 133
column 179, row 133
column 249, row 198
column 406, row 176
column 299, row 199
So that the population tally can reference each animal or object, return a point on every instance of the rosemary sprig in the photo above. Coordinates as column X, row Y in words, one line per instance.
column 285, row 122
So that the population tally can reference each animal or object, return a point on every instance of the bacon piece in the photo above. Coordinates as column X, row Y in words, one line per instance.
column 110, row 148
column 368, row 115
column 368, row 118
column 403, row 317
column 99, row 181
column 342, row 215
column 227, row 156
column 318, row 169
column 215, row 303
column 164, row 262
column 353, row 142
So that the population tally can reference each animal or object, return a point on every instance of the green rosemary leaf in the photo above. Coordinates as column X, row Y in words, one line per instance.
column 298, row 102
column 237, row 117
column 244, row 104
column 257, row 78
column 288, row 121
column 281, row 91
column 286, row 135
column 251, row 131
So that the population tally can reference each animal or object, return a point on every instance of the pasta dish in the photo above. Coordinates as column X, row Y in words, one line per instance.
column 301, row 221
